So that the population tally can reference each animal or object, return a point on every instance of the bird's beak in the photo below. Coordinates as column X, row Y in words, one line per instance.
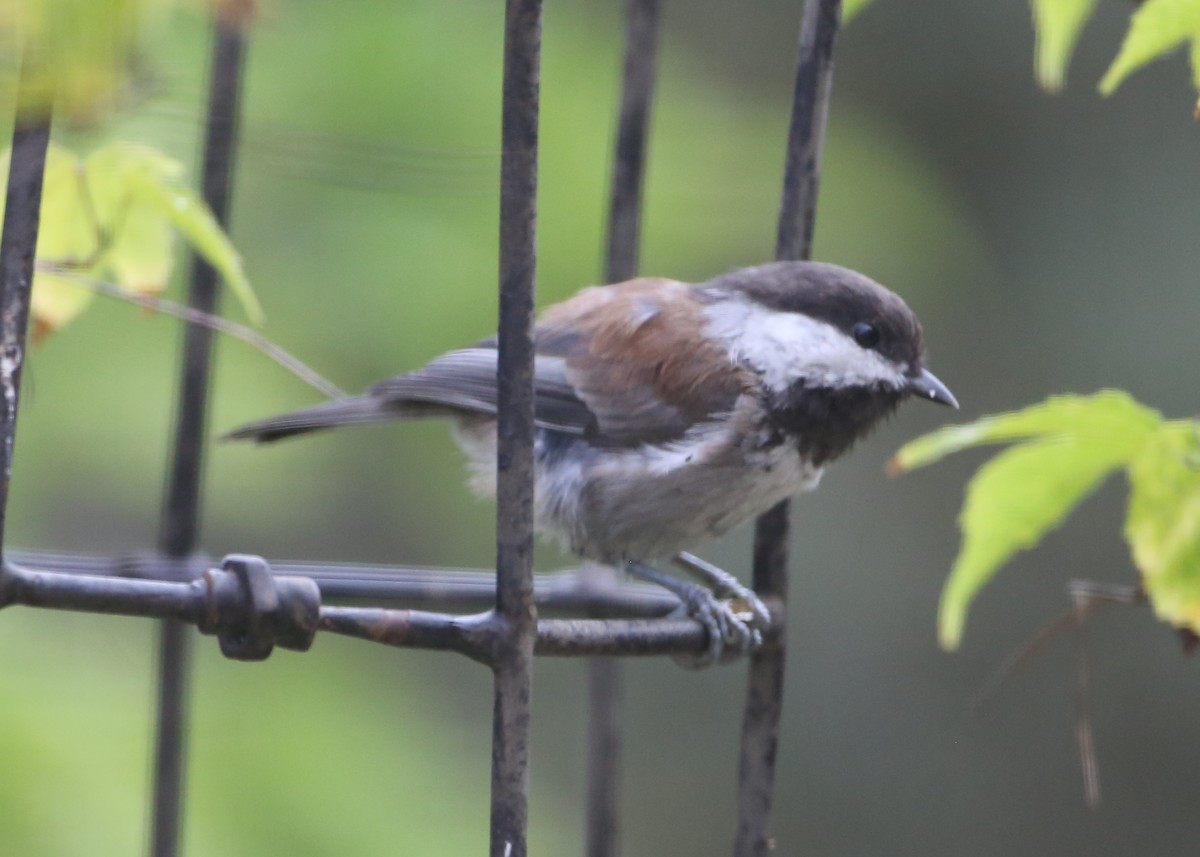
column 927, row 386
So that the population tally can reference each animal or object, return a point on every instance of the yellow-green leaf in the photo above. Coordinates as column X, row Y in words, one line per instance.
column 1063, row 449
column 56, row 301
column 1057, row 24
column 110, row 168
column 193, row 218
column 1157, row 27
column 1065, row 446
column 67, row 233
column 134, row 187
column 80, row 52
column 851, row 8
column 140, row 255
column 1163, row 523
column 1014, row 500
column 1195, row 60
column 1107, row 413
column 66, row 236
column 142, row 252
column 116, row 216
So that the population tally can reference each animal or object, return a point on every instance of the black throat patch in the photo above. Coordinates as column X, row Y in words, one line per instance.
column 824, row 422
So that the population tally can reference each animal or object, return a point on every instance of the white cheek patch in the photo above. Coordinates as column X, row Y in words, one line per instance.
column 788, row 346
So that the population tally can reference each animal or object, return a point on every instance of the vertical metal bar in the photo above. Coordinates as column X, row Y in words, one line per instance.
column 621, row 263
column 637, row 91
column 18, row 241
column 764, row 697
column 605, row 707
column 515, row 608
column 180, row 522
column 806, row 132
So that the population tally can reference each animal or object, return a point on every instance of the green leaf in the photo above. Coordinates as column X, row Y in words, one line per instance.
column 109, row 169
column 67, row 233
column 1057, row 23
column 136, row 194
column 193, row 218
column 1065, row 447
column 141, row 254
column 1194, row 56
column 851, row 8
column 67, row 236
column 116, row 214
column 79, row 52
column 1014, row 500
column 1157, row 27
column 56, row 301
column 1163, row 523
column 1108, row 412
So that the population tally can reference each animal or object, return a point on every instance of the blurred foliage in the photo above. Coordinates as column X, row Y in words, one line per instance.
column 1156, row 28
column 111, row 216
column 850, row 8
column 78, row 55
column 1058, row 24
column 1061, row 451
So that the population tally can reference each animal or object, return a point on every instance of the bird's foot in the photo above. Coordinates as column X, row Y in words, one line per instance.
column 732, row 615
column 725, row 585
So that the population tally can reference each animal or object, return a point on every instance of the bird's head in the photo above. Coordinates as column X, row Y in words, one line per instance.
column 834, row 351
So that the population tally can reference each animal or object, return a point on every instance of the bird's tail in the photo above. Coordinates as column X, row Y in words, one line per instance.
column 352, row 410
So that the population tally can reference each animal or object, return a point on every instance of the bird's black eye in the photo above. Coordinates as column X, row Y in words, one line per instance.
column 865, row 334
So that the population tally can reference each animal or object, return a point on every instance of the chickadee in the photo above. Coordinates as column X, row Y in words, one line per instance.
column 668, row 413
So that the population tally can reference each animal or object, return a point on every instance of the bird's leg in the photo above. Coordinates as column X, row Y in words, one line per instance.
column 724, row 585
column 729, row 634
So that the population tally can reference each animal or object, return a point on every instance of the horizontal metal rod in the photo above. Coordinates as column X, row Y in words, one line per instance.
column 251, row 608
column 619, row 637
column 464, row 590
column 474, row 635
column 155, row 599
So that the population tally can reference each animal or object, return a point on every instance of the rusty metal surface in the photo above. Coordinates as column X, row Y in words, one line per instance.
column 569, row 592
column 18, row 240
column 241, row 603
column 764, row 692
column 515, row 610
column 180, row 522
column 601, row 827
column 252, row 609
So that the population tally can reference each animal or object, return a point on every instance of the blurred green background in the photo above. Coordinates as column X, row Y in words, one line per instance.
column 1048, row 244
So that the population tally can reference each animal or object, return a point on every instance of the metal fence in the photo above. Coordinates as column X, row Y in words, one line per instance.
column 251, row 605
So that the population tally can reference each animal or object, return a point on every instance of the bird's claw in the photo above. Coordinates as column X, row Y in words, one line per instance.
column 725, row 585
column 731, row 613
column 731, row 631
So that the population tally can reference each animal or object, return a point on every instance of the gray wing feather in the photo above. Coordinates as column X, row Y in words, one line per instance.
column 466, row 380
column 457, row 382
column 352, row 410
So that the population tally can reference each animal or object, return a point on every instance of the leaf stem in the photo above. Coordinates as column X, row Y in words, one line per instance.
column 194, row 316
